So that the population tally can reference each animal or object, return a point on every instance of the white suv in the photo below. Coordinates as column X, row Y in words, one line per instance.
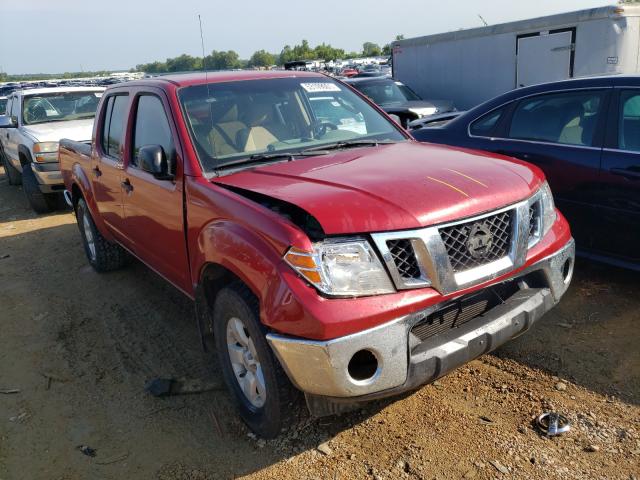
column 34, row 123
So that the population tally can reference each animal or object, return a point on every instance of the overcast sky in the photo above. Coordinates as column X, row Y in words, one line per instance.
column 52, row 36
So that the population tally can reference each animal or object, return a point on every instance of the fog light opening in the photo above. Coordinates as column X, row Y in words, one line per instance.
column 363, row 365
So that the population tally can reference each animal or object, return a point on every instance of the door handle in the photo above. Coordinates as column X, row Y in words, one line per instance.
column 626, row 173
column 127, row 186
column 97, row 172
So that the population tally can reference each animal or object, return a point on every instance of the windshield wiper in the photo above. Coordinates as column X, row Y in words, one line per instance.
column 265, row 157
column 349, row 144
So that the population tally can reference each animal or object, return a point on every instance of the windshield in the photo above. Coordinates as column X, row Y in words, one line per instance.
column 386, row 92
column 237, row 120
column 3, row 106
column 59, row 106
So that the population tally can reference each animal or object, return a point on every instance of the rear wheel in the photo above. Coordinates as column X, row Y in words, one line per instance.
column 103, row 255
column 40, row 202
column 15, row 178
column 262, row 391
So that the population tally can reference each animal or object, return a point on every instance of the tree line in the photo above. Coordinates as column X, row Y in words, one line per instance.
column 228, row 60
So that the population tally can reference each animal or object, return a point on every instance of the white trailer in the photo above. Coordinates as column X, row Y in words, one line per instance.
column 471, row 66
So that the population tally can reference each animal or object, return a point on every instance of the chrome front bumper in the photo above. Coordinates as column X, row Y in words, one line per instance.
column 321, row 367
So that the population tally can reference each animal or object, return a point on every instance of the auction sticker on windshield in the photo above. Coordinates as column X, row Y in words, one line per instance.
column 320, row 87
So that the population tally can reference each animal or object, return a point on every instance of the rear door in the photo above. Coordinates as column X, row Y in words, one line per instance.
column 154, row 208
column 619, row 212
column 107, row 165
column 562, row 133
column 544, row 57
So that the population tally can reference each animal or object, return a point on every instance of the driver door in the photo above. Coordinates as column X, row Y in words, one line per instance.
column 153, row 208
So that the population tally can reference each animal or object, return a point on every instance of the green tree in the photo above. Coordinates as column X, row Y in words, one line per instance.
column 303, row 51
column 262, row 58
column 370, row 49
column 223, row 60
column 327, row 52
column 154, row 67
column 183, row 63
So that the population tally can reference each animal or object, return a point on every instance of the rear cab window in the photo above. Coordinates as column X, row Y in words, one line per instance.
column 113, row 125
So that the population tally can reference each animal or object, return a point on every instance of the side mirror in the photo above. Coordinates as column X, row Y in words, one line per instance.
column 7, row 122
column 153, row 160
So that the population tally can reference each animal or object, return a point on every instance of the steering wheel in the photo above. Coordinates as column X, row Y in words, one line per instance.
column 319, row 128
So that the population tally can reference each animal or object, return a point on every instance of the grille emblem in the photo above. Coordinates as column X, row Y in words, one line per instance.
column 480, row 240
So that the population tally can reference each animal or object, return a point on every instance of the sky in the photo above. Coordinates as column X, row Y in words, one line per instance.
column 54, row 36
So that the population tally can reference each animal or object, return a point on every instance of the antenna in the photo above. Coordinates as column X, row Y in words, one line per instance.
column 206, row 72
column 204, row 58
column 483, row 20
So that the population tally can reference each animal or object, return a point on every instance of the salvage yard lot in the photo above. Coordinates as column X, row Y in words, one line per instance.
column 80, row 346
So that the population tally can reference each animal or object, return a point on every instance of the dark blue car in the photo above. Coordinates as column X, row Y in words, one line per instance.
column 585, row 135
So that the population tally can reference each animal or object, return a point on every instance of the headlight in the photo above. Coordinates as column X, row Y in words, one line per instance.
column 548, row 208
column 45, row 152
column 423, row 112
column 344, row 268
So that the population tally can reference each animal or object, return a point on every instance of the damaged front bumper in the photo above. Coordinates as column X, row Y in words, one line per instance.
column 397, row 358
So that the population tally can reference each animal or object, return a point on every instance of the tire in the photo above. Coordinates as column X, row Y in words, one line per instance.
column 265, row 414
column 15, row 177
column 40, row 202
column 103, row 255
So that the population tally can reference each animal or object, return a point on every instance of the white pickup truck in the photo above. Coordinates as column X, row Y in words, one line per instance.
column 34, row 122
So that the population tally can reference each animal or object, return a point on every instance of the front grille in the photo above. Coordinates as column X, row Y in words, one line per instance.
column 534, row 220
column 404, row 258
column 463, row 310
column 466, row 252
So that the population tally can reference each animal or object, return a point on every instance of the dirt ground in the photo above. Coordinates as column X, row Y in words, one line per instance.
column 80, row 346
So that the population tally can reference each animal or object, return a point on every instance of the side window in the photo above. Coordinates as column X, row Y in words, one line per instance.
column 567, row 118
column 152, row 128
column 114, row 124
column 485, row 126
column 629, row 123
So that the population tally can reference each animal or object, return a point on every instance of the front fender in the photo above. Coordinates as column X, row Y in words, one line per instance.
column 247, row 255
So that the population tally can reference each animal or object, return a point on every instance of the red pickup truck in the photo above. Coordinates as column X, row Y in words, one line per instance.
column 327, row 252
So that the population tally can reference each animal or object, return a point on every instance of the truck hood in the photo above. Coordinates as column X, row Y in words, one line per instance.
column 78, row 130
column 392, row 187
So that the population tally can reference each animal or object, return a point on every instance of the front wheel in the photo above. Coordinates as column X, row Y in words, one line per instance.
column 261, row 389
column 103, row 255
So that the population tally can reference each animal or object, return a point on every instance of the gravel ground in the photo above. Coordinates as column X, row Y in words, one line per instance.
column 80, row 346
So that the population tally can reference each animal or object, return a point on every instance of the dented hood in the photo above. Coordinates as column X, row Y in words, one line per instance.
column 392, row 187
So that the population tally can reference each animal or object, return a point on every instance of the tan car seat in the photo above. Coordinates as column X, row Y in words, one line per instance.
column 225, row 129
column 256, row 136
